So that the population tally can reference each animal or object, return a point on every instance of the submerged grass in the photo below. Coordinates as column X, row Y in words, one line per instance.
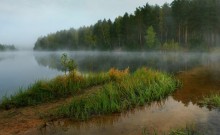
column 126, row 91
column 212, row 100
column 59, row 87
column 182, row 131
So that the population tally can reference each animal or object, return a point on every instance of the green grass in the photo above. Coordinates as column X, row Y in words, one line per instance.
column 212, row 100
column 127, row 91
column 59, row 87
column 182, row 131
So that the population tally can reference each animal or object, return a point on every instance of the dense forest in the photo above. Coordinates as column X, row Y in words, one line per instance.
column 188, row 24
column 7, row 47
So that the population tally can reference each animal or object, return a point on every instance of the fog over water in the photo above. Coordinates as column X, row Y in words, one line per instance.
column 20, row 69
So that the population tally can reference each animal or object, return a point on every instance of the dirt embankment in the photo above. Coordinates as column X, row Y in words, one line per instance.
column 18, row 121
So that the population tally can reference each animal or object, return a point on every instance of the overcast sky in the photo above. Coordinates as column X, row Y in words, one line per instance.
column 23, row 21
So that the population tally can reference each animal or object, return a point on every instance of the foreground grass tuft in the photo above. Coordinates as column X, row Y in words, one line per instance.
column 127, row 91
column 212, row 100
column 59, row 87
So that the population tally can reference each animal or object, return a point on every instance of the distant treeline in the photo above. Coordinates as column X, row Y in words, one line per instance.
column 191, row 24
column 7, row 47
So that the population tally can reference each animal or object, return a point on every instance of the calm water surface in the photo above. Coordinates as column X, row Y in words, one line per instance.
column 20, row 69
column 199, row 72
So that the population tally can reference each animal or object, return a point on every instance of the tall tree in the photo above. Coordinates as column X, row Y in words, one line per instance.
column 150, row 37
column 140, row 25
column 180, row 14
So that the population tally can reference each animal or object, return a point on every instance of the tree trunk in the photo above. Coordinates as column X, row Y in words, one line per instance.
column 213, row 38
column 186, row 35
column 140, row 38
column 166, row 35
column 119, row 41
column 103, row 34
column 179, row 35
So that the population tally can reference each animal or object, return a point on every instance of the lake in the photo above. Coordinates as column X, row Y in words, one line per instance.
column 19, row 70
column 199, row 72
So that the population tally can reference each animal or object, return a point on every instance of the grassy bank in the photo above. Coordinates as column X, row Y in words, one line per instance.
column 59, row 87
column 212, row 100
column 126, row 91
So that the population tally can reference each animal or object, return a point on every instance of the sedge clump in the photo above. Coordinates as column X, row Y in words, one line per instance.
column 118, row 75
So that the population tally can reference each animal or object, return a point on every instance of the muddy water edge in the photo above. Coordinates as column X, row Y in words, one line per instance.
column 177, row 111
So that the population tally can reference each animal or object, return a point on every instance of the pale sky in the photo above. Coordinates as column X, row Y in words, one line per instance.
column 23, row 21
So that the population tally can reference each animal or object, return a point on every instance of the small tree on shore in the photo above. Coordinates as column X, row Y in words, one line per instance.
column 68, row 63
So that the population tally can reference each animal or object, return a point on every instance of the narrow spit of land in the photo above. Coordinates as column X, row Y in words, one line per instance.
column 67, row 96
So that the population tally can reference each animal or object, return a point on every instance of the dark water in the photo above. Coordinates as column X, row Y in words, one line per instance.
column 199, row 72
